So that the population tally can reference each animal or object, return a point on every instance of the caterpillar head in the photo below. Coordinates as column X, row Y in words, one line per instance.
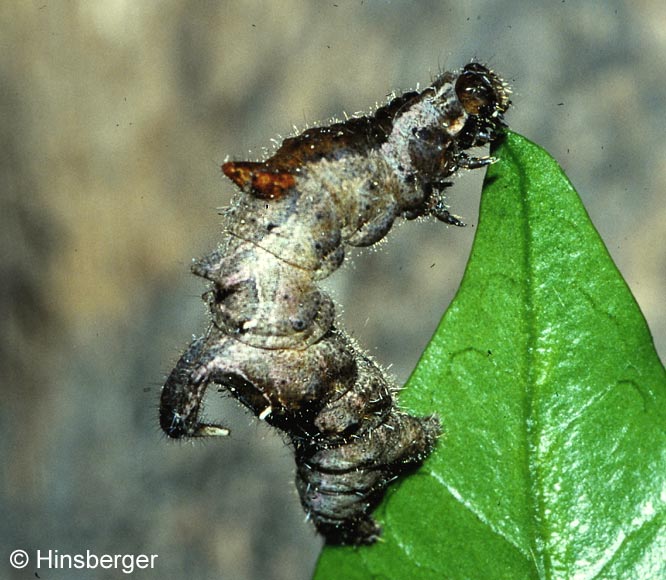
column 485, row 98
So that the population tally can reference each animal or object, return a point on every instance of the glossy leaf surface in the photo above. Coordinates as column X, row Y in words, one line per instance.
column 553, row 400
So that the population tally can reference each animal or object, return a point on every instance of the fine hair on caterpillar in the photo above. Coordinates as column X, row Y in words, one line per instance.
column 273, row 341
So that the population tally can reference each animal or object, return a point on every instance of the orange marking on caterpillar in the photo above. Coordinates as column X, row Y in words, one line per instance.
column 258, row 180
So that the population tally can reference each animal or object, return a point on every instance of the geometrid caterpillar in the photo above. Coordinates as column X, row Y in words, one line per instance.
column 273, row 342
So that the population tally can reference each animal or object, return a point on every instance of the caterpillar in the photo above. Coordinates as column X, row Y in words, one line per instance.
column 273, row 341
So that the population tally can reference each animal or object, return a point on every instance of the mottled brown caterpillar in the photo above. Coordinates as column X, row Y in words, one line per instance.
column 273, row 342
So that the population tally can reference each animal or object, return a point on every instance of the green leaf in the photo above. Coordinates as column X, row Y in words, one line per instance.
column 553, row 401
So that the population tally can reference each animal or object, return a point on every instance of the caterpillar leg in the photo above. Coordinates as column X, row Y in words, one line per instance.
column 469, row 162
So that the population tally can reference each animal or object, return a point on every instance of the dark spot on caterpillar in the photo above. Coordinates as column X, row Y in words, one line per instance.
column 221, row 294
column 273, row 342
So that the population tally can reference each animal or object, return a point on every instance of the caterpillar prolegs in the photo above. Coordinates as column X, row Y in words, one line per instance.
column 273, row 342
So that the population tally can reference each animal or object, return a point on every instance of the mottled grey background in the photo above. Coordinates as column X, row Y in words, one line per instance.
column 115, row 118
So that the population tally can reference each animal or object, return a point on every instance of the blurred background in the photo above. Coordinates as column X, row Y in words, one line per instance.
column 115, row 118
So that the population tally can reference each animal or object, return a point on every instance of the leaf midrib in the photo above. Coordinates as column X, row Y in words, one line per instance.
column 532, row 429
